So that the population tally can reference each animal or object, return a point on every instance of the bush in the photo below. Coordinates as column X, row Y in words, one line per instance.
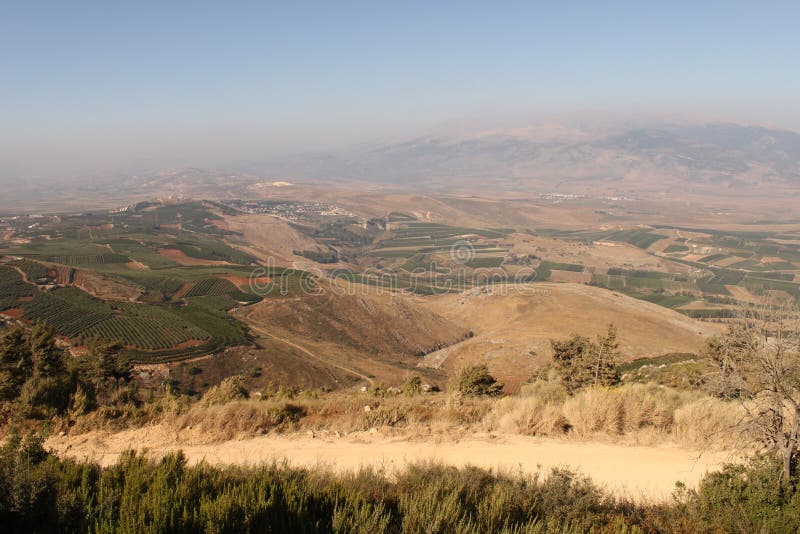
column 39, row 492
column 582, row 362
column 475, row 380
column 413, row 386
column 230, row 389
column 748, row 498
column 536, row 411
column 240, row 418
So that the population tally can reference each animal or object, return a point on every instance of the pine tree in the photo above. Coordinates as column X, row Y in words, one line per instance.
column 16, row 363
column 582, row 362
column 607, row 356
column 48, row 359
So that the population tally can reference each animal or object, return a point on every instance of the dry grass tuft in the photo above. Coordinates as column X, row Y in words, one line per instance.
column 230, row 389
column 641, row 413
column 240, row 418
column 712, row 422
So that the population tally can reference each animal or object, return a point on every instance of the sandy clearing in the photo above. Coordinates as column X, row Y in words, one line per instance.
column 647, row 473
column 135, row 265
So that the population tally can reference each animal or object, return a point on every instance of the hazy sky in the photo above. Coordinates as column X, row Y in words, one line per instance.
column 92, row 86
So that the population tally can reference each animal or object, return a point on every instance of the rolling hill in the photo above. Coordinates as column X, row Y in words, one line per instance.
column 513, row 331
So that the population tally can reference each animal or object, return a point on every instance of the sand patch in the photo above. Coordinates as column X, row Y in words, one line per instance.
column 646, row 473
column 135, row 265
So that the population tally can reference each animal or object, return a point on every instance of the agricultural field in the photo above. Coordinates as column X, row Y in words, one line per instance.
column 179, row 268
column 710, row 272
column 12, row 288
column 429, row 258
column 166, row 310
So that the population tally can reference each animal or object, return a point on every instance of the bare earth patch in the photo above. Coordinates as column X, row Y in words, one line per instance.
column 646, row 473
column 135, row 265
column 13, row 313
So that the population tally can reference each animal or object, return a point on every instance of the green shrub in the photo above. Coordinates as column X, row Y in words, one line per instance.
column 475, row 380
column 413, row 386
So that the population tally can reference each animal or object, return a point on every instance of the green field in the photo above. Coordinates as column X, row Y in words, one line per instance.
column 159, row 327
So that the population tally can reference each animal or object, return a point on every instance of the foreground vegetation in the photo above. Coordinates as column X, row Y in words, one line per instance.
column 749, row 404
column 42, row 493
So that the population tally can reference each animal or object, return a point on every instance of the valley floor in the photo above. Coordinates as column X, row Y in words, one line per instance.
column 641, row 472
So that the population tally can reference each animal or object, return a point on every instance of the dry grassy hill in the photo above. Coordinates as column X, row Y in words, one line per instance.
column 269, row 237
column 513, row 331
column 369, row 335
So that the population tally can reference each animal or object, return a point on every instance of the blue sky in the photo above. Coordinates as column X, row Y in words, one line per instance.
column 96, row 85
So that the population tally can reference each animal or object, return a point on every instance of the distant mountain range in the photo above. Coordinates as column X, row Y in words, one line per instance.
column 637, row 158
column 564, row 157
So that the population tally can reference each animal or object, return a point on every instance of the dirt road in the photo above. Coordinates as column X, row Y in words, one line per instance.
column 647, row 473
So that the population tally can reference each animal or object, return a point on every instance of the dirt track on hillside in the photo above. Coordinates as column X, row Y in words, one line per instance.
column 647, row 473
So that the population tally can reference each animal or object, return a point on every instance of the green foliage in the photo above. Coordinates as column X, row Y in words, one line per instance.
column 34, row 271
column 637, row 273
column 486, row 262
column 16, row 362
column 33, row 371
column 475, row 380
column 663, row 299
column 12, row 287
column 208, row 249
column 211, row 286
column 637, row 238
column 582, row 362
column 69, row 311
column 88, row 259
column 413, row 386
column 39, row 492
column 320, row 256
column 545, row 268
column 42, row 493
column 744, row 499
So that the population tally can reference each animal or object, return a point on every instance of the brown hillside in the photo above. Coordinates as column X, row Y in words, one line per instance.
column 513, row 331
column 379, row 324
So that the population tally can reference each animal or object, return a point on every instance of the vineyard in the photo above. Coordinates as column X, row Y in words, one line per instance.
column 34, row 271
column 70, row 311
column 212, row 286
column 147, row 333
column 88, row 259
column 75, row 314
column 12, row 287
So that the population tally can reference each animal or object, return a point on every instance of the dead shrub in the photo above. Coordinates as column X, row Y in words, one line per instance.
column 230, row 389
column 241, row 418
column 536, row 411
column 596, row 410
column 710, row 422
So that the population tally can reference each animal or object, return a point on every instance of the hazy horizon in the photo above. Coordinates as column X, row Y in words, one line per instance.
column 90, row 89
